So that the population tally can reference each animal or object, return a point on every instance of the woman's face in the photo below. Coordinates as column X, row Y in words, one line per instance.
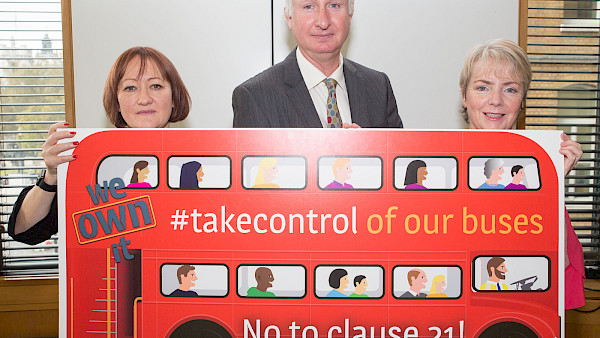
column 439, row 287
column 497, row 173
column 421, row 174
column 200, row 174
column 493, row 97
column 143, row 174
column 344, row 282
column 270, row 173
column 144, row 101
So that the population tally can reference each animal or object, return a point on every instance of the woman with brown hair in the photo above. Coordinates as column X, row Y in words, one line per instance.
column 143, row 90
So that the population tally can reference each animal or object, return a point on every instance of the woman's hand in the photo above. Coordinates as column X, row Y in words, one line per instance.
column 51, row 149
column 572, row 152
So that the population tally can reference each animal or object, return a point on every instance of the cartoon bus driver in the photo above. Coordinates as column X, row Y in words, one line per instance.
column 497, row 272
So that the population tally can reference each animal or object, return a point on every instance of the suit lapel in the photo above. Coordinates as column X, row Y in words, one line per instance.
column 298, row 93
column 357, row 94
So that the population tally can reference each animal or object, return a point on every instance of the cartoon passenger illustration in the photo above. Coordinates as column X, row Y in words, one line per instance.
column 186, row 277
column 267, row 168
column 493, row 170
column 438, row 284
column 518, row 174
column 497, row 271
column 360, row 285
column 416, row 279
column 140, row 174
column 338, row 280
column 191, row 175
column 264, row 278
column 341, row 173
column 416, row 173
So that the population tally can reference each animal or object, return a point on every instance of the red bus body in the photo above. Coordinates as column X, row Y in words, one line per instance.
column 98, row 306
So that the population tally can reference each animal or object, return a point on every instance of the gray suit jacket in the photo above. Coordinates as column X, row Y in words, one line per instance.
column 278, row 98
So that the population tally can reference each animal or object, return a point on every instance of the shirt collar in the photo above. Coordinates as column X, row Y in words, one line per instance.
column 313, row 76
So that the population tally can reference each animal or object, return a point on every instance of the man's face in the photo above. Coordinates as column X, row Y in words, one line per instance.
column 188, row 281
column 320, row 27
column 361, row 287
column 265, row 277
column 343, row 173
column 520, row 175
column 418, row 283
column 500, row 271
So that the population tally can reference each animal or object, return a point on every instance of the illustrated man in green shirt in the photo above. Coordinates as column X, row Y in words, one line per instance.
column 360, row 284
column 264, row 278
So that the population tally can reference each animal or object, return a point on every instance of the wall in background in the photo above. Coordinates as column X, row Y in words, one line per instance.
column 217, row 45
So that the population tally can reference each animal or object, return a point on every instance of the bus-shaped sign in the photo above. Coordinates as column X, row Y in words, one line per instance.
column 312, row 233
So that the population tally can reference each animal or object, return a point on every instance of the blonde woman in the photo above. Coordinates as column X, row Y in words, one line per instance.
column 494, row 83
column 267, row 169
column 437, row 286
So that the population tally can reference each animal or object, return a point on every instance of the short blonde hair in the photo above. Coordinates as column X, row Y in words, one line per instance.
column 287, row 8
column 498, row 51
column 338, row 163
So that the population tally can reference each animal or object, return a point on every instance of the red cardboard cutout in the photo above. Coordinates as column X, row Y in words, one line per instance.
column 306, row 233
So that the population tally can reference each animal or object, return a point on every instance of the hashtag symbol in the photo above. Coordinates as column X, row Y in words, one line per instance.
column 179, row 220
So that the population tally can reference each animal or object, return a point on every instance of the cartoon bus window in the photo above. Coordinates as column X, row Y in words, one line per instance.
column 504, row 173
column 511, row 273
column 427, row 281
column 271, row 281
column 425, row 173
column 349, row 281
column 136, row 171
column 350, row 173
column 194, row 280
column 274, row 172
column 199, row 172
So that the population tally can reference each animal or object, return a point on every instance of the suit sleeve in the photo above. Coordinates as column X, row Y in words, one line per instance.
column 393, row 119
column 246, row 112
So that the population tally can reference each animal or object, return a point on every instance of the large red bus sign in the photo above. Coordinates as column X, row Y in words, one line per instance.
column 312, row 233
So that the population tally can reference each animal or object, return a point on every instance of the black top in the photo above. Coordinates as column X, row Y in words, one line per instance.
column 42, row 230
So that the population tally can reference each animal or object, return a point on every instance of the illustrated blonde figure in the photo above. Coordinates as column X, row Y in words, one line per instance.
column 267, row 169
column 341, row 172
column 437, row 286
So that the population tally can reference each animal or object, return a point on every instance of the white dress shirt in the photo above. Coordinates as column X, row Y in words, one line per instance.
column 313, row 78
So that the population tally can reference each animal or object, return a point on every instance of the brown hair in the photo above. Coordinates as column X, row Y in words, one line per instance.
column 495, row 262
column 412, row 274
column 139, row 165
column 184, row 270
column 181, row 99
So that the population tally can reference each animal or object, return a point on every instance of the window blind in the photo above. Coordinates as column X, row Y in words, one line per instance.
column 563, row 47
column 31, row 99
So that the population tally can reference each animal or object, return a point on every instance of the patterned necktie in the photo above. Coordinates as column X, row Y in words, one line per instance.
column 334, row 119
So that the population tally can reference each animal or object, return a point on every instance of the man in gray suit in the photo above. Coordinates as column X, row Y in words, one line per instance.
column 315, row 86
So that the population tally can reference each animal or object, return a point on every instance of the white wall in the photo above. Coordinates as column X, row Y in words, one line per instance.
column 217, row 45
